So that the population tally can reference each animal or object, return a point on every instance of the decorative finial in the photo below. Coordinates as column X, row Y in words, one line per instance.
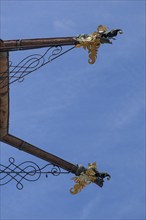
column 87, row 176
column 93, row 41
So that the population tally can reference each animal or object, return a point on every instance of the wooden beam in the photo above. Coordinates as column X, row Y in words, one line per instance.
column 4, row 123
column 24, row 44
column 4, row 94
column 33, row 150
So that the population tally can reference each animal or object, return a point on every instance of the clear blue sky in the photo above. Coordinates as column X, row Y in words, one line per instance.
column 80, row 112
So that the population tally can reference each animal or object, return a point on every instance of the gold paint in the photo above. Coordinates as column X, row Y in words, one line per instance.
column 91, row 43
column 84, row 179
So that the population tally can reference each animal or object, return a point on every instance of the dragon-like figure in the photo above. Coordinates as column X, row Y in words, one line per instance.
column 86, row 176
column 93, row 41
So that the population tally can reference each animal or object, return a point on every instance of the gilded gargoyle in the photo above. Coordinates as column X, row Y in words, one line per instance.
column 86, row 176
column 93, row 41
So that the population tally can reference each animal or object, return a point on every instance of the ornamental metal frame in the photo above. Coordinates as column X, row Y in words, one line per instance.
column 10, row 73
column 28, row 171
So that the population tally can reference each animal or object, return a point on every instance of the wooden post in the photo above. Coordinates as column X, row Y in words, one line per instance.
column 4, row 94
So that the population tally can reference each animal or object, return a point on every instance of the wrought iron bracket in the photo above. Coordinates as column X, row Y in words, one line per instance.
column 10, row 73
column 30, row 64
column 28, row 171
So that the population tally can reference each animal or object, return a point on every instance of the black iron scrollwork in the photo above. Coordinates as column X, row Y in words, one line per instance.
column 30, row 64
column 27, row 170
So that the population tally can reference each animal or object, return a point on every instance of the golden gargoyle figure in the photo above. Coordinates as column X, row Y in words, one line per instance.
column 86, row 176
column 93, row 41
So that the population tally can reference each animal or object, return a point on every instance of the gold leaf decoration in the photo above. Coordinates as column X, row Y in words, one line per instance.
column 91, row 43
column 84, row 179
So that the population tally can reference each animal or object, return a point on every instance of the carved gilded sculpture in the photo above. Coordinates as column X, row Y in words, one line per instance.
column 87, row 176
column 93, row 41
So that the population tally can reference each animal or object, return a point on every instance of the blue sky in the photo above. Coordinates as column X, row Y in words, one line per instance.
column 80, row 112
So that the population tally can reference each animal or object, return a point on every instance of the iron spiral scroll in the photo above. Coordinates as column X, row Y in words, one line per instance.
column 27, row 170
column 30, row 64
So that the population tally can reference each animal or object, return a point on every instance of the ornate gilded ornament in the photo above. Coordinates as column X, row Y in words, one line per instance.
column 93, row 41
column 87, row 176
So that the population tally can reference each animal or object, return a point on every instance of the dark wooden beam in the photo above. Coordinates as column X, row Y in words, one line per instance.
column 24, row 44
column 4, row 94
column 35, row 151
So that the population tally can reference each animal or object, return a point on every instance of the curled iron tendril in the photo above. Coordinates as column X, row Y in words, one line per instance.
column 27, row 170
column 30, row 64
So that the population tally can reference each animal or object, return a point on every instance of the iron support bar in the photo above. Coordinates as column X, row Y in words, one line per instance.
column 25, row 44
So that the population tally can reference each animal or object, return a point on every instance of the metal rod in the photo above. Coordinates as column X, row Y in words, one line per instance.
column 31, row 149
column 25, row 44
